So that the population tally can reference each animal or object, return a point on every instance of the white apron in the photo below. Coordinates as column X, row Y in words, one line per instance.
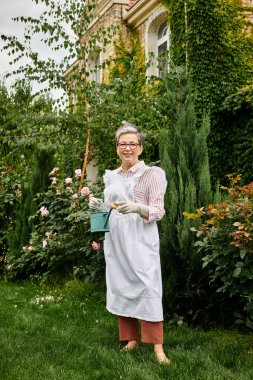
column 133, row 270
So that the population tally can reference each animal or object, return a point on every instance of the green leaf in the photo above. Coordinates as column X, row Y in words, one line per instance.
column 243, row 252
column 237, row 271
column 199, row 243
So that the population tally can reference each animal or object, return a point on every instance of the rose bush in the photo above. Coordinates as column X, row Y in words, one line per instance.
column 61, row 244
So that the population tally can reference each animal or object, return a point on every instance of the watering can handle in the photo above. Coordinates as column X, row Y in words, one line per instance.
column 108, row 216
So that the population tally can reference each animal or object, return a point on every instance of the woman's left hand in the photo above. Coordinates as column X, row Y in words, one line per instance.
column 126, row 207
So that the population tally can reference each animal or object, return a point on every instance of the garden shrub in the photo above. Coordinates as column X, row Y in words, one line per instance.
column 61, row 243
column 10, row 184
column 225, row 240
column 42, row 160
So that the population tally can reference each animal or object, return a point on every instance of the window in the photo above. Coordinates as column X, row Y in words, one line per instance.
column 157, row 42
column 93, row 68
column 97, row 73
column 162, row 47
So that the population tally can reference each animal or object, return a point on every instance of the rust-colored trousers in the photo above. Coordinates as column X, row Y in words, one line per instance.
column 151, row 332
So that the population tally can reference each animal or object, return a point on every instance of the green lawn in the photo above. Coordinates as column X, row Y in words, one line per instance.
column 69, row 335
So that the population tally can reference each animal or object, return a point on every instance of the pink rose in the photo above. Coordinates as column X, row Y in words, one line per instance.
column 69, row 189
column 85, row 191
column 54, row 180
column 68, row 180
column 75, row 196
column 48, row 233
column 44, row 211
column 78, row 173
column 96, row 246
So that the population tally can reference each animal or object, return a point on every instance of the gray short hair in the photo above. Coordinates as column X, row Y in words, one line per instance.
column 129, row 128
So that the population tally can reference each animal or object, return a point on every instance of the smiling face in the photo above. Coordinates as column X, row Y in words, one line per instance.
column 128, row 156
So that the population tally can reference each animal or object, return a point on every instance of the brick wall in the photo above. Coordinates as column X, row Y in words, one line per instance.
column 111, row 17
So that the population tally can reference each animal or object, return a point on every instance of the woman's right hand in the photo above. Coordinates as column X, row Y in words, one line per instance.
column 95, row 203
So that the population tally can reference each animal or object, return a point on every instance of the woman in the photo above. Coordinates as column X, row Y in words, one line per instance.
column 133, row 272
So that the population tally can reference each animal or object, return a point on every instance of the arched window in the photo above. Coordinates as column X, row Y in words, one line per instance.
column 97, row 69
column 93, row 66
column 162, row 47
column 157, row 42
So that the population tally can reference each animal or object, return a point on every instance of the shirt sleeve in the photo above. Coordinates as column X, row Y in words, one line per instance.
column 154, row 195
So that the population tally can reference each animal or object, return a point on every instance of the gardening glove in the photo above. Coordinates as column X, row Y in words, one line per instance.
column 96, row 204
column 126, row 207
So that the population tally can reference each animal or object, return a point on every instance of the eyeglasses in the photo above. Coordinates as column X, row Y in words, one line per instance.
column 132, row 146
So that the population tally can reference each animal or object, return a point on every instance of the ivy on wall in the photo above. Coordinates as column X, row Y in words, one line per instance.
column 127, row 49
column 220, row 50
column 239, row 110
column 177, row 25
column 214, row 39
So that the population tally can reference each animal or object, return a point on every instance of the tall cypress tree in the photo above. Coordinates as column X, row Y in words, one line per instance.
column 184, row 157
column 39, row 182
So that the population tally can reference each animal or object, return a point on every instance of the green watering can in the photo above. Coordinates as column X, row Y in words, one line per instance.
column 99, row 221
